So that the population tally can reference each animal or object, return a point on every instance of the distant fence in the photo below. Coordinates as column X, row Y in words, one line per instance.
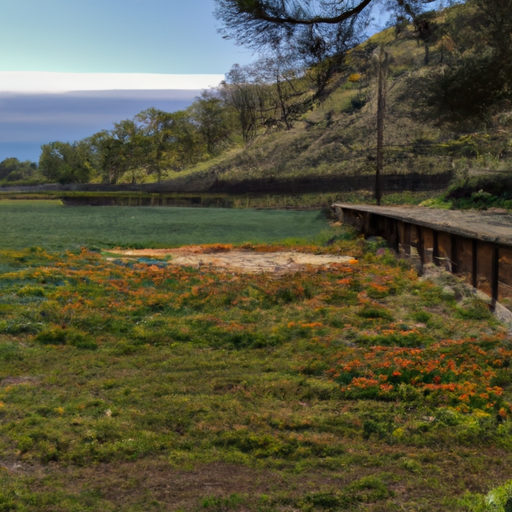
column 414, row 182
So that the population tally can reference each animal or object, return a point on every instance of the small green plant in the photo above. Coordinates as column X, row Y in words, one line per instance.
column 56, row 335
column 375, row 313
column 475, row 309
column 219, row 504
column 497, row 500
column 421, row 316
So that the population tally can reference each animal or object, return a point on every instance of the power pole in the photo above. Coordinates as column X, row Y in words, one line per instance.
column 381, row 111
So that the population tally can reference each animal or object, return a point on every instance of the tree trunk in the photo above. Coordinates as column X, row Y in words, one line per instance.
column 381, row 110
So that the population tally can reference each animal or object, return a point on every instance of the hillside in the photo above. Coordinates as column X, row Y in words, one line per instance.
column 338, row 136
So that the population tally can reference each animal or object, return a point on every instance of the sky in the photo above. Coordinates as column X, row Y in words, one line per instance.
column 70, row 68
column 114, row 36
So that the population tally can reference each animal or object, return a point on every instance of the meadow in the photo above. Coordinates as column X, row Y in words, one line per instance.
column 137, row 385
column 50, row 225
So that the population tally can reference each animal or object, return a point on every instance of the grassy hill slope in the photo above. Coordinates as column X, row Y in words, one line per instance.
column 338, row 136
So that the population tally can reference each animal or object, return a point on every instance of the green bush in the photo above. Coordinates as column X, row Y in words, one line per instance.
column 52, row 336
column 10, row 352
column 233, row 501
column 497, row 500
column 474, row 309
column 375, row 313
column 56, row 335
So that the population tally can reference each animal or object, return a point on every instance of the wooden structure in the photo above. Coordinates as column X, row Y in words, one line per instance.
column 475, row 245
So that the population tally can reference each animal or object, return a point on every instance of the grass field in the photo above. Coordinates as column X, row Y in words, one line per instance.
column 50, row 225
column 135, row 385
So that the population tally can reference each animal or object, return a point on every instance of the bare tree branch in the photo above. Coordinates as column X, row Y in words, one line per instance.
column 259, row 10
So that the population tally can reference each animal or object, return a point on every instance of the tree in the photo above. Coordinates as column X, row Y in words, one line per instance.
column 244, row 97
column 171, row 140
column 65, row 163
column 107, row 155
column 11, row 169
column 213, row 120
column 477, row 79
column 285, row 88
column 495, row 21
column 304, row 23
column 317, row 32
column 426, row 30
column 117, row 151
column 263, row 23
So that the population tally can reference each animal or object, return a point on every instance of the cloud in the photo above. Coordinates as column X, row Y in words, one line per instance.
column 29, row 120
column 36, row 82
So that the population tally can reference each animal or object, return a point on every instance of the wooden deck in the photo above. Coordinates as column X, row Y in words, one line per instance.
column 477, row 245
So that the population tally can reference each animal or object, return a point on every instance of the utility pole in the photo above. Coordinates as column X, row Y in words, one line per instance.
column 381, row 111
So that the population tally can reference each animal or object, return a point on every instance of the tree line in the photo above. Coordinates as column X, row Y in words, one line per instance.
column 270, row 94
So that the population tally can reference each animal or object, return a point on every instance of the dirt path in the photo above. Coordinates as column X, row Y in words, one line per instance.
column 245, row 261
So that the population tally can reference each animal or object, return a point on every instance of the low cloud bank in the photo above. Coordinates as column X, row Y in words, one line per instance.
column 39, row 82
column 29, row 120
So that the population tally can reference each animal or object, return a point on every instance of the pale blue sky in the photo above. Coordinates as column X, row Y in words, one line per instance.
column 114, row 36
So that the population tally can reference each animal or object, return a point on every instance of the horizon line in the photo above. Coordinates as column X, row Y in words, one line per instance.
column 52, row 82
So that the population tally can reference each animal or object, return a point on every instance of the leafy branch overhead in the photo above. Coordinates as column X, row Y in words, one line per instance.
column 267, row 23
column 294, row 13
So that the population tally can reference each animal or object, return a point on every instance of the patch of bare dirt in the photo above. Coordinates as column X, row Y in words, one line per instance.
column 16, row 381
column 244, row 261
column 134, row 485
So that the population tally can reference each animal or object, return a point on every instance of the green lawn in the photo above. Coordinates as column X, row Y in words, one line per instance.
column 50, row 225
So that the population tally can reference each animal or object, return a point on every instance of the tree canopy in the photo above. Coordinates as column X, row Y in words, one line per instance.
column 305, row 23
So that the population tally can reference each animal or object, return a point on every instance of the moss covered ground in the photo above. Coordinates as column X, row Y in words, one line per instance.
column 48, row 224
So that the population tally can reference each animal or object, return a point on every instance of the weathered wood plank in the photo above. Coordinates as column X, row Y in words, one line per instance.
column 477, row 246
column 488, row 227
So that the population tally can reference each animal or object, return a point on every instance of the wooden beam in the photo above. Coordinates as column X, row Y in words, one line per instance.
column 495, row 275
column 474, row 265
column 435, row 249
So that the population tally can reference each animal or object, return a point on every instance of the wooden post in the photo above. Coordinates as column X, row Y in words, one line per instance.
column 394, row 239
column 435, row 249
column 474, row 264
column 368, row 224
column 406, row 242
column 453, row 253
column 420, row 245
column 381, row 110
column 495, row 275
